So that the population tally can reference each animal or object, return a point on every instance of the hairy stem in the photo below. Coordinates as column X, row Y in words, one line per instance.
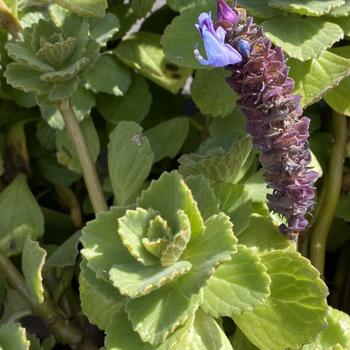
column 330, row 192
column 91, row 179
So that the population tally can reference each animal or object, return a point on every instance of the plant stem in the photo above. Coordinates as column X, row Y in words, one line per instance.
column 330, row 192
column 92, row 181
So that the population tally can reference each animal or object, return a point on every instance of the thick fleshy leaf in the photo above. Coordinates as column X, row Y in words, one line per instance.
column 100, row 302
column 133, row 106
column 168, row 195
column 102, row 245
column 221, row 100
column 157, row 315
column 167, row 138
column 136, row 280
column 84, row 7
column 295, row 285
column 316, row 76
column 130, row 159
column 307, row 7
column 259, row 8
column 20, row 216
column 336, row 334
column 237, row 285
column 13, row 336
column 33, row 259
column 101, row 79
column 302, row 37
column 338, row 97
column 103, row 29
column 142, row 52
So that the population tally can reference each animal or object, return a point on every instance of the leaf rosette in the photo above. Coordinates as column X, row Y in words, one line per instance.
column 51, row 61
column 159, row 255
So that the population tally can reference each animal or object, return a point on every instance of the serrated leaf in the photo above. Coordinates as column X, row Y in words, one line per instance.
column 66, row 254
column 110, row 76
column 259, row 8
column 222, row 99
column 302, row 38
column 84, row 7
column 13, row 336
column 167, row 138
column 343, row 23
column 295, row 312
column 66, row 154
column 133, row 106
column 307, row 7
column 237, row 285
column 316, row 76
column 104, row 29
column 336, row 334
column 142, row 51
column 136, row 280
column 130, row 159
column 33, row 259
column 343, row 10
column 100, row 302
column 338, row 97
column 20, row 216
column 168, row 195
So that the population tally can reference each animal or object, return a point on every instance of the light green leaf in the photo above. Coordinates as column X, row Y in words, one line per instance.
column 241, row 342
column 221, row 100
column 142, row 52
column 100, row 302
column 66, row 154
column 136, row 280
column 180, row 5
column 157, row 315
column 338, row 97
column 259, row 8
column 103, row 29
column 167, row 138
column 130, row 159
column 264, row 236
column 307, row 7
column 133, row 106
column 316, row 76
column 110, row 76
column 20, row 216
column 343, row 10
column 13, row 336
column 84, row 7
column 66, row 254
column 237, row 285
column 33, row 259
column 344, row 23
column 296, row 310
column 256, row 187
column 336, row 334
column 302, row 37
column 168, row 195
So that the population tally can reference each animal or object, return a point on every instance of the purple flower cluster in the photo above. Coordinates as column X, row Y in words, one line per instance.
column 274, row 115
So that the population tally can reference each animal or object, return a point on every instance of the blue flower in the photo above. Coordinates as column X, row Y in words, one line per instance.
column 219, row 54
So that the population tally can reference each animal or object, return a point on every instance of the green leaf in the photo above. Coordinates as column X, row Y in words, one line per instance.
column 307, row 7
column 104, row 29
column 66, row 254
column 264, row 236
column 130, row 159
column 315, row 77
column 84, row 7
column 20, row 216
column 259, row 8
column 344, row 23
column 237, row 285
column 168, row 195
column 100, row 302
column 302, row 38
column 142, row 7
column 296, row 310
column 336, row 334
column 156, row 316
column 66, row 154
column 142, row 52
column 136, row 280
column 338, row 97
column 343, row 10
column 13, row 336
column 342, row 210
column 133, row 106
column 33, row 259
column 167, row 138
column 110, row 76
column 241, row 342
column 180, row 5
column 256, row 187
column 221, row 99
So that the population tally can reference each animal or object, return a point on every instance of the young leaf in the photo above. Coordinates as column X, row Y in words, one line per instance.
column 33, row 259
column 13, row 336
column 295, row 285
column 84, row 7
column 130, row 159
